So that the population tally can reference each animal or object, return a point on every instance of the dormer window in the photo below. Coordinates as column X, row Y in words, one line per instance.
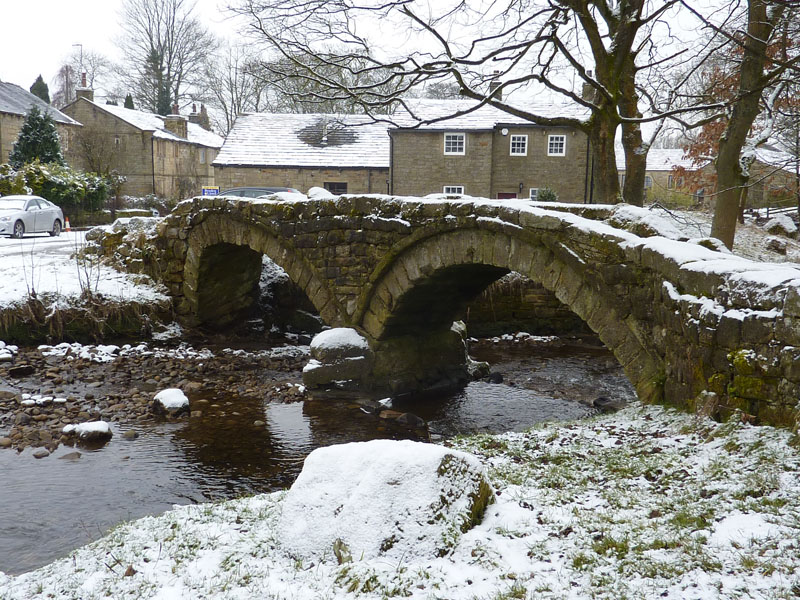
column 455, row 143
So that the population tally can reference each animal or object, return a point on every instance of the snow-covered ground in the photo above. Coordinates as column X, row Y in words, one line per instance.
column 645, row 503
column 48, row 266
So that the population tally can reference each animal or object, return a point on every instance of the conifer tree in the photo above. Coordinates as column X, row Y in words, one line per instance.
column 129, row 101
column 38, row 139
column 40, row 89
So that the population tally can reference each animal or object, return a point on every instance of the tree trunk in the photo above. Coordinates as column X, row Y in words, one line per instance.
column 605, row 177
column 635, row 150
column 731, row 180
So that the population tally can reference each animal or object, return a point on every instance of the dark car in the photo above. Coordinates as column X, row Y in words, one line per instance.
column 29, row 214
column 257, row 192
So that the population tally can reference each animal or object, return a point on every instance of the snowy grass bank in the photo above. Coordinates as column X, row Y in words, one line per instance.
column 645, row 503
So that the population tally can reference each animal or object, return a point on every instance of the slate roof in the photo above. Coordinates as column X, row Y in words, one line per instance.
column 155, row 123
column 484, row 118
column 18, row 101
column 305, row 140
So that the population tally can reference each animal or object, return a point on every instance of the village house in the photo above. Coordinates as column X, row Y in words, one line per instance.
column 169, row 157
column 489, row 153
column 345, row 154
column 673, row 179
column 15, row 102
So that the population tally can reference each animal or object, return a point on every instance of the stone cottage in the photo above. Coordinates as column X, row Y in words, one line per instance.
column 169, row 157
column 15, row 102
column 489, row 153
column 346, row 154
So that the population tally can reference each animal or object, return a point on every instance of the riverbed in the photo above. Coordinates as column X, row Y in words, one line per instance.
column 252, row 427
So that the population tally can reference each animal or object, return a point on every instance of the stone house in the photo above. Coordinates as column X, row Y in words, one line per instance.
column 169, row 157
column 671, row 178
column 15, row 102
column 489, row 153
column 346, row 154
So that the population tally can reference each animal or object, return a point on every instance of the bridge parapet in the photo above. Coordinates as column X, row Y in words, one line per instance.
column 690, row 325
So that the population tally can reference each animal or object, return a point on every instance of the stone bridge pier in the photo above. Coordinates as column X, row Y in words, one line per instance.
column 689, row 325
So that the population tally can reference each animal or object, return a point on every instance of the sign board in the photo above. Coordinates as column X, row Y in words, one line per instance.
column 210, row 190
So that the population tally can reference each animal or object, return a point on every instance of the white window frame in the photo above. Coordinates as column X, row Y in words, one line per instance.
column 648, row 182
column 552, row 139
column 519, row 138
column 533, row 194
column 451, row 136
column 453, row 189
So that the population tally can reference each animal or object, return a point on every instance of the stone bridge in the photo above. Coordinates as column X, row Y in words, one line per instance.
column 689, row 325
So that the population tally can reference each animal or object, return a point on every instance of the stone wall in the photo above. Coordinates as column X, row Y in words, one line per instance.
column 487, row 169
column 691, row 326
column 359, row 181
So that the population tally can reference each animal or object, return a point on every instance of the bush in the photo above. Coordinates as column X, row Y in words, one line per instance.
column 547, row 195
column 73, row 191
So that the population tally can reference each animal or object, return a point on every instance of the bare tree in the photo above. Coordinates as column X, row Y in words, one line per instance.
column 65, row 82
column 760, row 45
column 96, row 66
column 164, row 46
column 515, row 43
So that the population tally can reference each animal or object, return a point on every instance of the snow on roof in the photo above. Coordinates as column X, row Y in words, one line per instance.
column 17, row 101
column 777, row 158
column 660, row 159
column 483, row 118
column 305, row 140
column 152, row 122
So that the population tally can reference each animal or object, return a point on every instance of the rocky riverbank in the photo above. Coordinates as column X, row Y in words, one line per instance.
column 44, row 389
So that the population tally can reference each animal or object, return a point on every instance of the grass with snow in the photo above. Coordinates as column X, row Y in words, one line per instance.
column 646, row 503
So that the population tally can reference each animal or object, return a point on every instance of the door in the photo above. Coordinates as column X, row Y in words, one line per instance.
column 31, row 213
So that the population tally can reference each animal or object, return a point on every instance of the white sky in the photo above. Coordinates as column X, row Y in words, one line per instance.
column 38, row 35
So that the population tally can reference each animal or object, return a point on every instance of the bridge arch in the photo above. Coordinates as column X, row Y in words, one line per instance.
column 223, row 263
column 424, row 284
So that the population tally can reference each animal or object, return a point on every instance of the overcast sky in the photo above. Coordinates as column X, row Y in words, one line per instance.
column 39, row 34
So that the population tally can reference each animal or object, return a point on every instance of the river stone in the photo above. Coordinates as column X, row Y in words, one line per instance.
column 5, row 442
column 70, row 456
column 338, row 355
column 170, row 402
column 93, row 432
column 41, row 453
column 337, row 344
column 384, row 498
column 21, row 371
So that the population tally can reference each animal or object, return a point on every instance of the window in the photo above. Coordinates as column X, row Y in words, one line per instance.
column 202, row 156
column 454, row 143
column 519, row 145
column 336, row 187
column 116, row 141
column 648, row 182
column 534, row 193
column 556, row 145
column 453, row 189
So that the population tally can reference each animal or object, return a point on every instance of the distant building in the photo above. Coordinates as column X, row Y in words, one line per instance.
column 346, row 154
column 490, row 153
column 15, row 102
column 166, row 156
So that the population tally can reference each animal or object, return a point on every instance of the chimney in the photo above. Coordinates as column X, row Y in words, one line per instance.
column 176, row 123
column 588, row 91
column 493, row 85
column 200, row 118
column 84, row 91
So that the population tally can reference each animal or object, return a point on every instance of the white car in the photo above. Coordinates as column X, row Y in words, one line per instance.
column 29, row 214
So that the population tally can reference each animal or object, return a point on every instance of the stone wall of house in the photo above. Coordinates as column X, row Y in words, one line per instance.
column 10, row 126
column 565, row 175
column 359, row 181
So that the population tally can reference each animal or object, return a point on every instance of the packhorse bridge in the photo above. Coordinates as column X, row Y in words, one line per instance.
column 689, row 325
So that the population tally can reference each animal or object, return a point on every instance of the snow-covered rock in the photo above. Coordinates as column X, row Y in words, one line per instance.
column 91, row 432
column 7, row 352
column 338, row 343
column 398, row 499
column 781, row 225
column 318, row 193
column 338, row 355
column 171, row 402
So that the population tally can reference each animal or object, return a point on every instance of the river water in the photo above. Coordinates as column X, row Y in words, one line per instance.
column 49, row 507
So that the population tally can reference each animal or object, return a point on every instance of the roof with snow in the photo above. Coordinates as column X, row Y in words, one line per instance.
column 483, row 118
column 152, row 122
column 660, row 159
column 305, row 140
column 15, row 100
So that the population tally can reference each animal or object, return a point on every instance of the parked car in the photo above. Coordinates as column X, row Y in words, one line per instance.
column 257, row 192
column 29, row 214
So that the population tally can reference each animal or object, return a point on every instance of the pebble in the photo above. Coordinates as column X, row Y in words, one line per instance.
column 41, row 453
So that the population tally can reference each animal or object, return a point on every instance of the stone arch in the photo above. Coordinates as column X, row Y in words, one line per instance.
column 221, row 239
column 486, row 251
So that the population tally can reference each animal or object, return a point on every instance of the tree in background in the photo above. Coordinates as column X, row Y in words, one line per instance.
column 38, row 140
column 128, row 101
column 40, row 89
column 66, row 80
column 164, row 46
column 96, row 66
